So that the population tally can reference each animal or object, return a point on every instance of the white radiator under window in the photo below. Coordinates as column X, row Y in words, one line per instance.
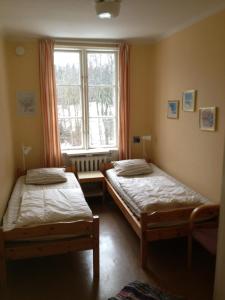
column 89, row 163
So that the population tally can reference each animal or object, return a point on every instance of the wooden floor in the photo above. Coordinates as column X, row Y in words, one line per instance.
column 68, row 277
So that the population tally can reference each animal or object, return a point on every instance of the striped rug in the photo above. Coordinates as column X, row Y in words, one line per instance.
column 141, row 291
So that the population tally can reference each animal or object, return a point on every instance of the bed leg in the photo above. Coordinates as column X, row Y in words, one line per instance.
column 96, row 247
column 189, row 251
column 144, row 242
column 3, row 276
column 144, row 253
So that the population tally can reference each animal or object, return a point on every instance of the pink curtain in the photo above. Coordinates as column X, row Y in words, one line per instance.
column 52, row 151
column 124, row 107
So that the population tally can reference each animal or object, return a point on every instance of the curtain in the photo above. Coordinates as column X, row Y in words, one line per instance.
column 52, row 151
column 124, row 106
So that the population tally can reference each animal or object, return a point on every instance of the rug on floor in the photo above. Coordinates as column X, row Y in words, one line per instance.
column 137, row 290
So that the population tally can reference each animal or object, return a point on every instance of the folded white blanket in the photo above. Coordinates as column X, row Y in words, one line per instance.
column 50, row 206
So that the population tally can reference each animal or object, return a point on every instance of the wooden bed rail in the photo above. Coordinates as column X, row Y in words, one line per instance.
column 123, row 207
column 48, row 230
column 168, row 215
column 13, row 245
column 105, row 166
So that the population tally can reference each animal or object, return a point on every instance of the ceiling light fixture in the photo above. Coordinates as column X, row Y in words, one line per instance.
column 107, row 9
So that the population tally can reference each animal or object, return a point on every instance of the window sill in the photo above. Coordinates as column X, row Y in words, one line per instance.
column 89, row 152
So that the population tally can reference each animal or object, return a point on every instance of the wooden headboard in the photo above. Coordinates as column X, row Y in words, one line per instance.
column 105, row 166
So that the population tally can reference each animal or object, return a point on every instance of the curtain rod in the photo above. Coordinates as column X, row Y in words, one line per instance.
column 91, row 41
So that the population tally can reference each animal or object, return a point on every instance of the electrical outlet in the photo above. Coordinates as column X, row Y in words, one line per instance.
column 136, row 139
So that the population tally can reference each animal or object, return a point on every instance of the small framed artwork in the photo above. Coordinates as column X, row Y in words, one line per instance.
column 207, row 118
column 173, row 109
column 189, row 99
column 26, row 103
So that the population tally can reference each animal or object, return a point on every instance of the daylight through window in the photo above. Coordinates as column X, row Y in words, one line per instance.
column 87, row 97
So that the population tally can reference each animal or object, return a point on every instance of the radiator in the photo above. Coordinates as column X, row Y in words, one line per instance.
column 89, row 163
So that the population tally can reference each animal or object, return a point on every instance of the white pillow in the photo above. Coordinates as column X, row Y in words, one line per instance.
column 132, row 167
column 45, row 176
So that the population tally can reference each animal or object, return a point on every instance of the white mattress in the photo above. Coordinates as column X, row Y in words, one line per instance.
column 156, row 191
column 40, row 205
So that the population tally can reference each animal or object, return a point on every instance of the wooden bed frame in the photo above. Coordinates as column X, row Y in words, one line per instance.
column 144, row 232
column 13, row 245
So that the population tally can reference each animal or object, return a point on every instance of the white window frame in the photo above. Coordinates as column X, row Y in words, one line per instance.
column 84, row 50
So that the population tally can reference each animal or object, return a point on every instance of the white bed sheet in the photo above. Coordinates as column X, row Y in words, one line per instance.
column 13, row 217
column 156, row 191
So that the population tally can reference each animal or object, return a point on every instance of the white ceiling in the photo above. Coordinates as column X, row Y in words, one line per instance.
column 138, row 19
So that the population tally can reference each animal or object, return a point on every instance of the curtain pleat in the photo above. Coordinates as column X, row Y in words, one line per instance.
column 52, row 151
column 124, row 106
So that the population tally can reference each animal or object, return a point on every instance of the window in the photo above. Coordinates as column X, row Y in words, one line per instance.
column 87, row 97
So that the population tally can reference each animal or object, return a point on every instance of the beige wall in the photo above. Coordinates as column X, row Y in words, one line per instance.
column 6, row 140
column 191, row 59
column 140, row 95
column 24, row 76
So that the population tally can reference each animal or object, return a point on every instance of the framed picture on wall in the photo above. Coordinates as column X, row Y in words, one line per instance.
column 26, row 103
column 173, row 109
column 189, row 99
column 207, row 118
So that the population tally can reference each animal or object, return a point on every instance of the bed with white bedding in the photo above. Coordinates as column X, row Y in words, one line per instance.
column 47, row 219
column 32, row 205
column 156, row 205
column 154, row 191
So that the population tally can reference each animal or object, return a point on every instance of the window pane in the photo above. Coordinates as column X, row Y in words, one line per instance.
column 101, row 68
column 67, row 67
column 102, row 132
column 69, row 101
column 71, row 133
column 87, row 116
column 101, row 101
column 68, row 83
